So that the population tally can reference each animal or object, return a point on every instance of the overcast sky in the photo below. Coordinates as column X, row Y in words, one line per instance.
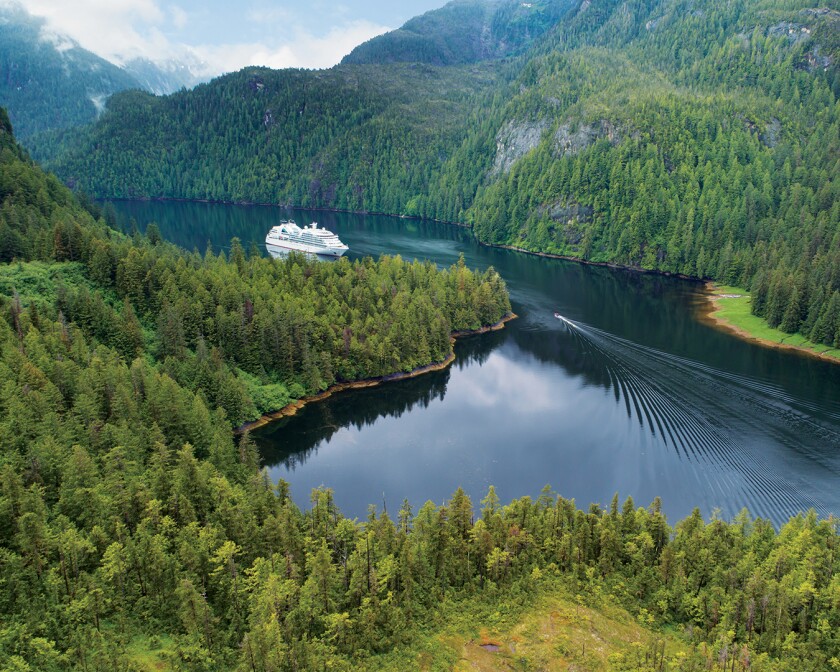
column 227, row 35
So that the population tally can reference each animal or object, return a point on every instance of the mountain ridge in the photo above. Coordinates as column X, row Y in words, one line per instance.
column 617, row 137
column 48, row 82
column 463, row 31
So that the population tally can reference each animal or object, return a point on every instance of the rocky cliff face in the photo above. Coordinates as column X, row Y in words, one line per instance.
column 514, row 141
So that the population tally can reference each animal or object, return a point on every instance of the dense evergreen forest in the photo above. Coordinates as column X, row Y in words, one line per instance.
column 467, row 31
column 134, row 527
column 248, row 333
column 682, row 136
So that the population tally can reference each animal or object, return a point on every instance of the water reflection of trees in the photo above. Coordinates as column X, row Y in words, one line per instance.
column 291, row 441
column 193, row 225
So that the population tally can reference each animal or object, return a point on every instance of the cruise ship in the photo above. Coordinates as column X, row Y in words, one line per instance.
column 309, row 239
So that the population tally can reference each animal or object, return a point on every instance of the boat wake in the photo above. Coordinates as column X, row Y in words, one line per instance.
column 694, row 409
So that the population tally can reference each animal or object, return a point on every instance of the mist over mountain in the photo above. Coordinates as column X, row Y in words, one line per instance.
column 167, row 76
column 48, row 82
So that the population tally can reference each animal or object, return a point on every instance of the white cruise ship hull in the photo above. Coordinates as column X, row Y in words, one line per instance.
column 289, row 237
column 288, row 246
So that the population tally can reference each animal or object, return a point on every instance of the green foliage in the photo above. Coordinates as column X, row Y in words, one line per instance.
column 329, row 138
column 695, row 138
column 247, row 334
column 463, row 32
column 127, row 514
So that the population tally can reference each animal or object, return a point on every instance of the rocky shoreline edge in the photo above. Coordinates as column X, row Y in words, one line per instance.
column 295, row 406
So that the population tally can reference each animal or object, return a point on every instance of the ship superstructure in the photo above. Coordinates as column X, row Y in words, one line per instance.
column 309, row 239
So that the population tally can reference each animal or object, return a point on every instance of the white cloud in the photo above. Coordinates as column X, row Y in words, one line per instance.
column 120, row 30
column 114, row 29
column 180, row 18
column 304, row 50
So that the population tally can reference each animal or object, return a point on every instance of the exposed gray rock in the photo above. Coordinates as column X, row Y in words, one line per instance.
column 567, row 211
column 772, row 133
column 794, row 32
column 569, row 217
column 572, row 142
column 515, row 140
column 818, row 61
column 822, row 11
column 651, row 25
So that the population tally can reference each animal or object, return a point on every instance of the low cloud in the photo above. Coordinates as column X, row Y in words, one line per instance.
column 304, row 50
column 114, row 29
column 120, row 30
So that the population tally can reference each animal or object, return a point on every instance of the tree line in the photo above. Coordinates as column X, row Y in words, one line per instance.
column 249, row 332
column 684, row 137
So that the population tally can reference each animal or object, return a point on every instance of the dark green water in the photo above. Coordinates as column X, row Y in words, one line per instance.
column 638, row 397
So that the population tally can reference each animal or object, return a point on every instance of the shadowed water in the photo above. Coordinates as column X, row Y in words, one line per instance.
column 630, row 393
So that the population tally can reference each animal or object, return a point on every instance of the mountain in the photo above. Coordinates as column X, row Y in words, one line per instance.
column 679, row 136
column 47, row 81
column 167, row 76
column 464, row 31
column 318, row 137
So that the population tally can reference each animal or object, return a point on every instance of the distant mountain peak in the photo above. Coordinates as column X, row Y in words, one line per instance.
column 464, row 31
column 51, row 82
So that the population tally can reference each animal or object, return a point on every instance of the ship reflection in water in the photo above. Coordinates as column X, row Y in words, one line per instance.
column 280, row 253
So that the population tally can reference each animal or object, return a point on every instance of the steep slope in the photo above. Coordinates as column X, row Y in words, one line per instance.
column 356, row 137
column 464, row 31
column 707, row 145
column 48, row 81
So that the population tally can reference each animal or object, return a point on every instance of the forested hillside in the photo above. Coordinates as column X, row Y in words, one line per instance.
column 464, row 31
column 137, row 534
column 306, row 137
column 684, row 137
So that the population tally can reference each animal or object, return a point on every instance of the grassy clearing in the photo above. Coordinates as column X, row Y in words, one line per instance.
column 733, row 309
column 554, row 631
column 150, row 654
column 38, row 281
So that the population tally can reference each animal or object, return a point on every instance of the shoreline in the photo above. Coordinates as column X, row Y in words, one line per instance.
column 708, row 310
column 284, row 206
column 460, row 225
column 586, row 262
column 293, row 407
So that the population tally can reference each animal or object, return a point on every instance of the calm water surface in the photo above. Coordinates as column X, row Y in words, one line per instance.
column 635, row 396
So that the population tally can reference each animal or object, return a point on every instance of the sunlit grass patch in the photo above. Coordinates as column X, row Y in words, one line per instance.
column 734, row 308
